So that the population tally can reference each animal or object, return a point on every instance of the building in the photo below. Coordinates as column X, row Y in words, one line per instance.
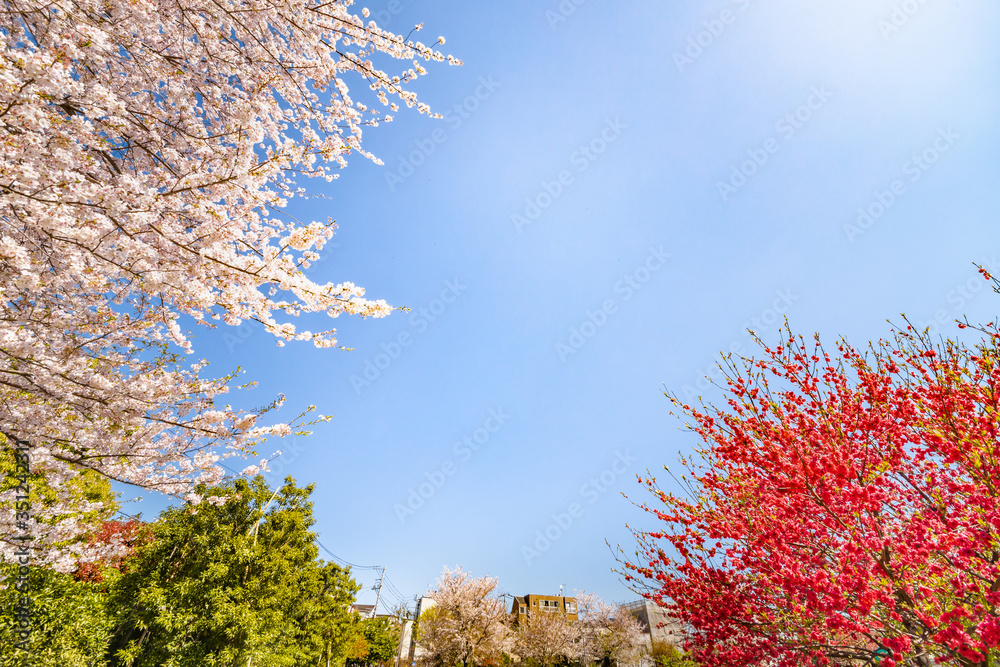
column 363, row 610
column 404, row 653
column 659, row 625
column 410, row 652
column 404, row 650
column 524, row 606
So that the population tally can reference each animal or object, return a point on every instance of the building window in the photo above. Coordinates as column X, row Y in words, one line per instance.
column 521, row 609
column 570, row 607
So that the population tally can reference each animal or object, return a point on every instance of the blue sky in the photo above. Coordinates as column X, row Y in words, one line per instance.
column 622, row 191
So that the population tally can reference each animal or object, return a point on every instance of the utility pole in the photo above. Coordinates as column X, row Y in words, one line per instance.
column 378, row 588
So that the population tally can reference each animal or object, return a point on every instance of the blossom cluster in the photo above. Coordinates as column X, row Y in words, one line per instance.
column 147, row 151
column 845, row 509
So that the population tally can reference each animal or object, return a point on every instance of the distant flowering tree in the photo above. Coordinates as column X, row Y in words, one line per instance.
column 607, row 632
column 466, row 625
column 123, row 536
column 545, row 638
column 148, row 148
column 846, row 510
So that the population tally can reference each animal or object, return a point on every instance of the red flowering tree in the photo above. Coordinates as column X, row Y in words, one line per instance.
column 843, row 509
column 117, row 541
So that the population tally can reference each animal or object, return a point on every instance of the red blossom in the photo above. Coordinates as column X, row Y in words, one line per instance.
column 129, row 535
column 841, row 498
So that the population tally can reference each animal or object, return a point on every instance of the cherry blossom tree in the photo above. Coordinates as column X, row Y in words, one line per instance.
column 545, row 638
column 465, row 625
column 149, row 149
column 845, row 509
column 607, row 631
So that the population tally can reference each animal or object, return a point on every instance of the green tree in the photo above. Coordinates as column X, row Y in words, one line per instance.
column 381, row 636
column 68, row 619
column 70, row 626
column 322, row 630
column 233, row 583
column 666, row 654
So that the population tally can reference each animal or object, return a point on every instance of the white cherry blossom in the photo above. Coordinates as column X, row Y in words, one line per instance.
column 147, row 150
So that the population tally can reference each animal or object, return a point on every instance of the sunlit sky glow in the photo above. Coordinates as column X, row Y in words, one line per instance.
column 492, row 298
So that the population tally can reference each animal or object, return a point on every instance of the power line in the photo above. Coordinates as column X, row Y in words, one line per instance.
column 395, row 590
column 393, row 594
column 348, row 563
column 383, row 581
column 389, row 587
